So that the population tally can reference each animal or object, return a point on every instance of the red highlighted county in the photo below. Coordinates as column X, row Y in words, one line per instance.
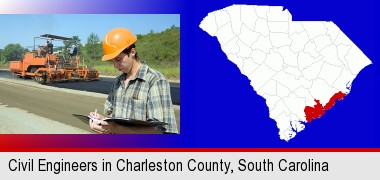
column 318, row 110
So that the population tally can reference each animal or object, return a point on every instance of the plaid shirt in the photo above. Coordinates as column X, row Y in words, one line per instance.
column 147, row 96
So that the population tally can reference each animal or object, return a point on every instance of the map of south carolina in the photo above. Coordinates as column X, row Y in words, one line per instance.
column 301, row 68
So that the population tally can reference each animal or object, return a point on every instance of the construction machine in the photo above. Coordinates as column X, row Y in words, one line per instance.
column 44, row 65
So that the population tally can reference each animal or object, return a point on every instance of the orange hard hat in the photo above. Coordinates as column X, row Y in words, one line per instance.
column 116, row 41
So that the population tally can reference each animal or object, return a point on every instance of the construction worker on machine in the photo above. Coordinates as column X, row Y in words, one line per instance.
column 39, row 52
column 48, row 48
column 140, row 92
column 73, row 51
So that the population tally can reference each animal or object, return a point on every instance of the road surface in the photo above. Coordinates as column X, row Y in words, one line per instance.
column 102, row 86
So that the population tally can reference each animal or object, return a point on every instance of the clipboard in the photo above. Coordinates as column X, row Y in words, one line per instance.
column 124, row 121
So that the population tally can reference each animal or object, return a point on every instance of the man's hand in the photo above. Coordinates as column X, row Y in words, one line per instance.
column 97, row 116
column 98, row 125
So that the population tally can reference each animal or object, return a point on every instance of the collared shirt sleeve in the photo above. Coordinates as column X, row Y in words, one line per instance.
column 108, row 105
column 160, row 105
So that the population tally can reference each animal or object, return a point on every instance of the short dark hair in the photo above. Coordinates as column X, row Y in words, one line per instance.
column 127, row 51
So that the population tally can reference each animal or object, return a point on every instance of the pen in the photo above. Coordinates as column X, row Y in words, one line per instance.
column 96, row 118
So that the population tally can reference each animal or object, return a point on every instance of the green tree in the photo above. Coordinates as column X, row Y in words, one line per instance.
column 160, row 49
column 13, row 52
column 93, row 49
column 174, row 27
column 1, row 55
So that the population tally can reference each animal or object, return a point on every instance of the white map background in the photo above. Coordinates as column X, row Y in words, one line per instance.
column 289, row 63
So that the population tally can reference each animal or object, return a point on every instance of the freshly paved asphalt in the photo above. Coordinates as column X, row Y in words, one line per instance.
column 102, row 86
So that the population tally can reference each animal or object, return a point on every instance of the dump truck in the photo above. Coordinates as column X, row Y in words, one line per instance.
column 45, row 66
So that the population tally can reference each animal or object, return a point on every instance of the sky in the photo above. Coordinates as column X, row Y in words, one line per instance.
column 22, row 28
